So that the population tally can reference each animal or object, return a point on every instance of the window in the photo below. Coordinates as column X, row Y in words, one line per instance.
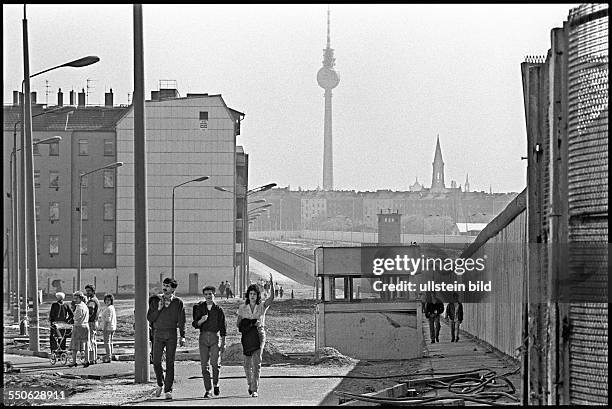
column 109, row 178
column 53, row 244
column 54, row 149
column 54, row 179
column 37, row 210
column 83, row 147
column 109, row 211
column 109, row 245
column 53, row 211
column 84, row 211
column 109, row 147
column 37, row 178
column 83, row 244
column 35, row 150
column 83, row 179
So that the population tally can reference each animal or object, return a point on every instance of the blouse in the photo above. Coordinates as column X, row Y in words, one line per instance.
column 108, row 319
column 259, row 313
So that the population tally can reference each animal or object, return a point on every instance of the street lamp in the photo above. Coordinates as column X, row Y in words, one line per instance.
column 29, row 220
column 200, row 179
column 13, row 282
column 244, row 268
column 109, row 166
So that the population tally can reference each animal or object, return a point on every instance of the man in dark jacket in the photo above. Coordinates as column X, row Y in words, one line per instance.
column 209, row 318
column 166, row 313
column 454, row 312
column 60, row 312
column 433, row 309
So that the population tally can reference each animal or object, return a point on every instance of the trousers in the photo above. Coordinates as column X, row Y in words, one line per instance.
column 454, row 329
column 252, row 364
column 434, row 327
column 209, row 357
column 164, row 339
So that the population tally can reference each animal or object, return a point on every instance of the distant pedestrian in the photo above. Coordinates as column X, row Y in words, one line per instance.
column 166, row 313
column 228, row 290
column 276, row 287
column 209, row 318
column 266, row 289
column 93, row 304
column 433, row 309
column 108, row 323
column 423, row 299
column 79, row 340
column 222, row 290
column 280, row 291
column 253, row 314
column 454, row 312
column 292, row 293
column 60, row 312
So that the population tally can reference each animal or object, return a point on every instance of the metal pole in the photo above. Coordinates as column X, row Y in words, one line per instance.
column 8, row 257
column 80, row 229
column 141, row 276
column 21, row 224
column 30, row 213
column 173, row 231
column 14, row 231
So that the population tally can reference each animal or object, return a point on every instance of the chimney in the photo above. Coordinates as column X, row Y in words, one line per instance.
column 16, row 98
column 60, row 98
column 33, row 98
column 71, row 97
column 108, row 99
column 82, row 97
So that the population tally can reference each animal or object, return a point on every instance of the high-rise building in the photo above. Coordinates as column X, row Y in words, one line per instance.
column 328, row 79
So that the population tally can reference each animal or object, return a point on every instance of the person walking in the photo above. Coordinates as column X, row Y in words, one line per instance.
column 280, row 291
column 254, row 309
column 93, row 304
column 108, row 323
column 454, row 312
column 276, row 287
column 60, row 312
column 79, row 340
column 221, row 290
column 433, row 309
column 166, row 313
column 228, row 290
column 209, row 318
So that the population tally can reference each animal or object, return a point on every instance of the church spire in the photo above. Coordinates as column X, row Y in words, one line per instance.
column 467, row 184
column 437, row 177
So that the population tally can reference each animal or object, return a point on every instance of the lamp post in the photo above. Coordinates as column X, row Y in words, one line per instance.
column 244, row 265
column 13, row 276
column 200, row 179
column 109, row 166
column 29, row 220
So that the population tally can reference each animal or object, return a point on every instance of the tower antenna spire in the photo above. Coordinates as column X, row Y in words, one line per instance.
column 328, row 24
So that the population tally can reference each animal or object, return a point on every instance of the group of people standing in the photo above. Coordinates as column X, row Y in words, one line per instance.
column 166, row 314
column 433, row 308
column 86, row 318
column 269, row 287
column 225, row 288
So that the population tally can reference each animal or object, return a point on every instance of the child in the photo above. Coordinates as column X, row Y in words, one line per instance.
column 108, row 322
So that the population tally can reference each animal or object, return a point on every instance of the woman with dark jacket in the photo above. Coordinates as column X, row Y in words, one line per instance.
column 251, row 321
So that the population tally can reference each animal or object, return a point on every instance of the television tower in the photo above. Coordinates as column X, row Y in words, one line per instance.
column 328, row 78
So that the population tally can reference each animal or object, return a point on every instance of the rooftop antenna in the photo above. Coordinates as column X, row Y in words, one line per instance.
column 47, row 92
column 90, row 86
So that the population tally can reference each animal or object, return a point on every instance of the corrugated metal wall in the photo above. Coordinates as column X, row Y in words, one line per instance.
column 499, row 321
column 588, row 201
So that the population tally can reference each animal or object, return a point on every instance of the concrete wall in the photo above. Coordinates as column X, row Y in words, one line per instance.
column 371, row 330
column 294, row 266
column 356, row 236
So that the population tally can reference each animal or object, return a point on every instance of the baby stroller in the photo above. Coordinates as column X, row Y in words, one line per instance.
column 62, row 333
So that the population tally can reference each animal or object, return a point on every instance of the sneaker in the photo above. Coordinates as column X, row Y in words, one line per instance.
column 207, row 395
column 216, row 391
column 254, row 395
column 158, row 391
column 168, row 395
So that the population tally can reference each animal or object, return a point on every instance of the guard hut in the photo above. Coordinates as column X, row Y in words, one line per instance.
column 362, row 312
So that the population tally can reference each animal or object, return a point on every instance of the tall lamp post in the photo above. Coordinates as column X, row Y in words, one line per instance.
column 200, row 179
column 109, row 166
column 13, row 276
column 244, row 267
column 28, row 178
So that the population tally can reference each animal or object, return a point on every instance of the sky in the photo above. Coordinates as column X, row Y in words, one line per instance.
column 408, row 74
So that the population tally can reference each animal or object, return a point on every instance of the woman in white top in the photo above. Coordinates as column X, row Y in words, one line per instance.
column 79, row 339
column 253, row 308
column 108, row 323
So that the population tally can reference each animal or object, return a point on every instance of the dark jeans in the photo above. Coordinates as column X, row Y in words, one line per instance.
column 209, row 352
column 164, row 338
column 56, row 335
column 434, row 327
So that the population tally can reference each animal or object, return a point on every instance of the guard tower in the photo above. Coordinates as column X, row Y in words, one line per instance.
column 390, row 227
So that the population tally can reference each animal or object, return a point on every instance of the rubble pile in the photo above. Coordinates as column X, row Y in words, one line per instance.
column 330, row 356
